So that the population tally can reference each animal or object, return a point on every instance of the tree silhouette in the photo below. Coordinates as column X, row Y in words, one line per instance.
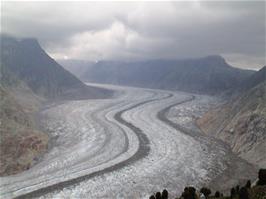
column 205, row 191
column 233, row 193
column 158, row 195
column 243, row 193
column 217, row 194
column 152, row 197
column 248, row 184
column 262, row 177
column 237, row 189
column 165, row 194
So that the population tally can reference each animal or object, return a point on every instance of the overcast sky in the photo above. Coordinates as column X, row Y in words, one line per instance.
column 142, row 30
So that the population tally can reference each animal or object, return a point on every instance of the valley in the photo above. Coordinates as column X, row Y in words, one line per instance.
column 146, row 137
column 132, row 100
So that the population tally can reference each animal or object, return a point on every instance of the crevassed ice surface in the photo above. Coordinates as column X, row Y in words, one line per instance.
column 86, row 138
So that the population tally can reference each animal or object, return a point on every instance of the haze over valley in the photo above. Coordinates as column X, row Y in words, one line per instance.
column 126, row 99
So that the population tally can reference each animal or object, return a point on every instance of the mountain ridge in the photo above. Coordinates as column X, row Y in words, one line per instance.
column 29, row 77
column 25, row 60
column 241, row 121
column 209, row 74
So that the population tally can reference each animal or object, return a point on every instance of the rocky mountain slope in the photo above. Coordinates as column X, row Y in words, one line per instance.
column 208, row 75
column 28, row 78
column 21, row 143
column 76, row 67
column 27, row 61
column 254, row 80
column 241, row 122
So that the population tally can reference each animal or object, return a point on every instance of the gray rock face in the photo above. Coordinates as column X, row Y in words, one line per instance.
column 242, row 124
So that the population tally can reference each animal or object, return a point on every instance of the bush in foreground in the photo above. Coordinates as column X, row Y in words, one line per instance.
column 245, row 192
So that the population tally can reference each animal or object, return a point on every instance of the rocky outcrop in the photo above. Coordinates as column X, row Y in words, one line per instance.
column 241, row 123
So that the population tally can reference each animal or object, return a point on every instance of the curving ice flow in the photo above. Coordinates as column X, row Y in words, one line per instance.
column 119, row 148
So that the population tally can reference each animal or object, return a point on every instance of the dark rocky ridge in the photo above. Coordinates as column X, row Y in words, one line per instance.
column 25, row 60
column 202, row 75
column 254, row 79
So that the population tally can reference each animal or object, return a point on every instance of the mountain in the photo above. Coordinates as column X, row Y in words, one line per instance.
column 28, row 78
column 21, row 143
column 26, row 61
column 204, row 75
column 254, row 79
column 76, row 67
column 241, row 122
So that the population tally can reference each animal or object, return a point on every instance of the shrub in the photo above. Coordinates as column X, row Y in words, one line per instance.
column 243, row 193
column 248, row 184
column 217, row 194
column 232, row 193
column 258, row 192
column 205, row 191
column 237, row 189
column 158, row 195
column 262, row 177
column 165, row 194
column 189, row 193
column 152, row 197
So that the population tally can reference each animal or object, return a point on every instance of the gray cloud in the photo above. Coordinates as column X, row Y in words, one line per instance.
column 143, row 30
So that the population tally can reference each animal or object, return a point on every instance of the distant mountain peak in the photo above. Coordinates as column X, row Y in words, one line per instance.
column 30, row 42
column 216, row 59
column 26, row 61
column 209, row 74
column 263, row 68
column 254, row 80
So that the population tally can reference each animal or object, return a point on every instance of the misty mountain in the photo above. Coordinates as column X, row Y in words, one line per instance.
column 24, row 60
column 203, row 75
column 29, row 77
column 254, row 80
column 241, row 122
column 76, row 67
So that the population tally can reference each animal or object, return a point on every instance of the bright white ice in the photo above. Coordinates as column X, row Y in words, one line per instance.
column 87, row 138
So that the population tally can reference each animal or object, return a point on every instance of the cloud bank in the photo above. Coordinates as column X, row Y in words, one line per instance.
column 142, row 30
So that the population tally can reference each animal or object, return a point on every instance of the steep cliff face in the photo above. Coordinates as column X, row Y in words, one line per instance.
column 241, row 123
